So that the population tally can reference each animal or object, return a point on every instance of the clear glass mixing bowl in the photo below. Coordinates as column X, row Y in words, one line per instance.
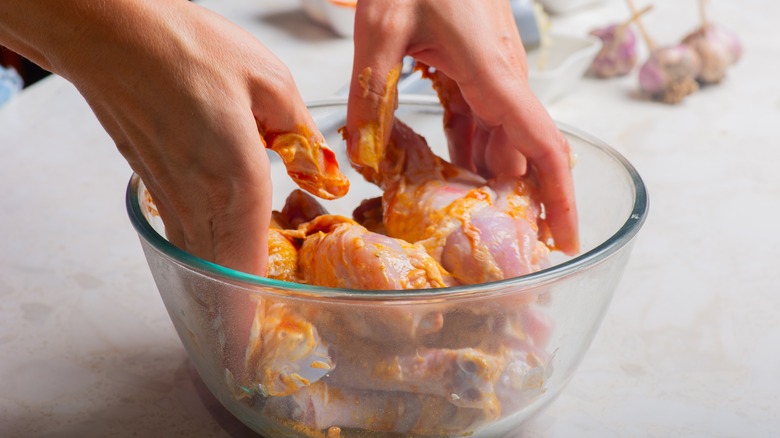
column 355, row 363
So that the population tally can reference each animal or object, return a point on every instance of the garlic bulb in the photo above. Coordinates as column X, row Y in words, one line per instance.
column 718, row 49
column 617, row 56
column 669, row 75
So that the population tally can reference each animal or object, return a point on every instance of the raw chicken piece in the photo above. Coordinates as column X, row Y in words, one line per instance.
column 478, row 230
column 515, row 325
column 320, row 406
column 464, row 377
column 397, row 329
column 369, row 214
column 298, row 208
column 282, row 255
column 282, row 250
column 334, row 251
column 524, row 378
column 284, row 352
column 339, row 252
column 405, row 395
column 373, row 133
column 310, row 163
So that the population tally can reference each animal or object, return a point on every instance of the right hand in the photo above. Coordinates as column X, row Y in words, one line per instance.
column 494, row 122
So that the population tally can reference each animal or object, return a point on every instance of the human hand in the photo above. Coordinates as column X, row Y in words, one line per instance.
column 494, row 123
column 190, row 101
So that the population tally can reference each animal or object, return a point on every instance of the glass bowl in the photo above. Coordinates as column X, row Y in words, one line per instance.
column 297, row 360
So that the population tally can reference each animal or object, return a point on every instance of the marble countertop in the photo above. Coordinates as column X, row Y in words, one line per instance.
column 689, row 346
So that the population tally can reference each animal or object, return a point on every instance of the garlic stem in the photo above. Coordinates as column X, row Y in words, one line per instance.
column 634, row 17
column 649, row 41
column 703, row 13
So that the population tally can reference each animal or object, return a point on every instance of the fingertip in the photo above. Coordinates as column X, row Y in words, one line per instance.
column 562, row 219
column 567, row 238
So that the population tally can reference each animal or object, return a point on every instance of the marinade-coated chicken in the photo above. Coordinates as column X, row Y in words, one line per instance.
column 479, row 230
column 339, row 252
column 321, row 406
column 437, row 368
column 431, row 369
column 308, row 245
column 310, row 163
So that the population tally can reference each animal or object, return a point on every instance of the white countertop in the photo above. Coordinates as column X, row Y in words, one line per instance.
column 690, row 346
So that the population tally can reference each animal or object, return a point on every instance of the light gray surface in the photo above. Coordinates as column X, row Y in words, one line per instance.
column 688, row 347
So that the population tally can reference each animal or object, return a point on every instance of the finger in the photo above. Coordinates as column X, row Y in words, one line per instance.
column 548, row 151
column 481, row 139
column 240, row 228
column 459, row 125
column 474, row 125
column 224, row 199
column 373, row 95
column 524, row 126
column 234, row 226
column 501, row 159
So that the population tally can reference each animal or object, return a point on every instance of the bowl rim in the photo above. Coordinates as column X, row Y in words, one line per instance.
column 590, row 47
column 596, row 255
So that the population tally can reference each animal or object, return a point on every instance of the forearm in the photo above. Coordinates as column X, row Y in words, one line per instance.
column 60, row 35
